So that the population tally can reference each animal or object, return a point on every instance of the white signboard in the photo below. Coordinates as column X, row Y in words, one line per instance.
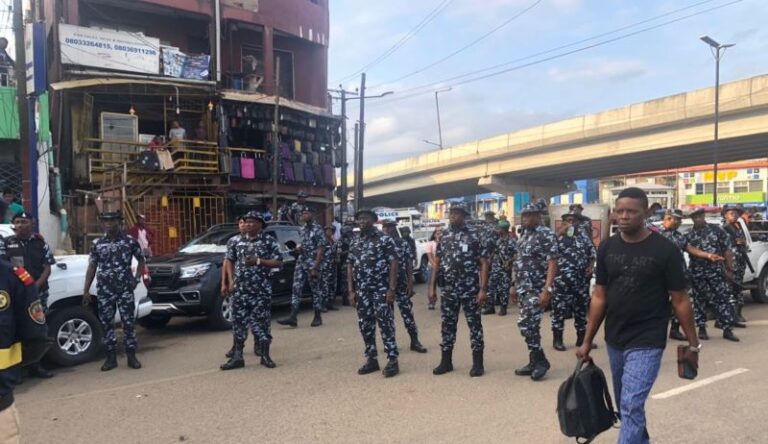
column 122, row 51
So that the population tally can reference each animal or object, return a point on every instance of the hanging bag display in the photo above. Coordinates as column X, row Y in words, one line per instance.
column 247, row 167
column 262, row 168
column 287, row 168
column 235, row 166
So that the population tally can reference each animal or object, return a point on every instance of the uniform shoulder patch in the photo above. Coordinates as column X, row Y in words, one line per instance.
column 5, row 300
column 23, row 275
column 36, row 312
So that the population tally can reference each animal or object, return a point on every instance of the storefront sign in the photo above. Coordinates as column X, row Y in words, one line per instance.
column 121, row 51
column 724, row 198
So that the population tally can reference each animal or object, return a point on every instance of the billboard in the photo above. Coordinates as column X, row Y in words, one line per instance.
column 100, row 48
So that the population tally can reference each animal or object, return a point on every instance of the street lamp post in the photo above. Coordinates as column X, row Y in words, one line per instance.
column 718, row 50
column 439, row 125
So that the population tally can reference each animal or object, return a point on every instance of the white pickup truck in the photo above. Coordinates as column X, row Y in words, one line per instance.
column 75, row 329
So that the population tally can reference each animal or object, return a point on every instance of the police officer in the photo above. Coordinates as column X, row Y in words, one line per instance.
column 535, row 270
column 404, row 284
column 372, row 276
column 328, row 269
column 575, row 262
column 308, row 262
column 29, row 250
column 298, row 207
column 708, row 277
column 500, row 280
column 731, row 214
column 23, row 336
column 254, row 254
column 489, row 236
column 585, row 223
column 462, row 273
column 110, row 262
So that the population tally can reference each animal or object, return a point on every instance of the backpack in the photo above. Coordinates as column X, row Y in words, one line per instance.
column 584, row 406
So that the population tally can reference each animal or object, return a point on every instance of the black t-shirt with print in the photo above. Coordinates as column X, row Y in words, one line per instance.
column 638, row 278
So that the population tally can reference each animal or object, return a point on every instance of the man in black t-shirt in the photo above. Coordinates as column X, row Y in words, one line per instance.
column 637, row 271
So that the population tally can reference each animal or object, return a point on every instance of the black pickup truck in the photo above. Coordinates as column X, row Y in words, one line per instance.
column 188, row 283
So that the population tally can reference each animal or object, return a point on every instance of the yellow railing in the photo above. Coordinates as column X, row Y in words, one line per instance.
column 188, row 156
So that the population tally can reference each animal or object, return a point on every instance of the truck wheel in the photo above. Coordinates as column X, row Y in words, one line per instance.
column 154, row 321
column 760, row 294
column 220, row 318
column 77, row 336
column 421, row 277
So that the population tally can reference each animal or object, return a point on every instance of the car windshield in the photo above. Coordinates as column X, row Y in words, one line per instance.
column 211, row 242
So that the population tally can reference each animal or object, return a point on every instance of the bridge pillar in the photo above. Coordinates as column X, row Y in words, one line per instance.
column 536, row 189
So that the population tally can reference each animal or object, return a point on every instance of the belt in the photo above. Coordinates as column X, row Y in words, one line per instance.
column 6, row 401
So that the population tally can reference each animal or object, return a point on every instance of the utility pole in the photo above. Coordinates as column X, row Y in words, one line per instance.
column 356, row 162
column 344, row 191
column 276, row 136
column 360, row 149
column 23, row 106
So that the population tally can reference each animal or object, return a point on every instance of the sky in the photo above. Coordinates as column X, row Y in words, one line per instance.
column 655, row 63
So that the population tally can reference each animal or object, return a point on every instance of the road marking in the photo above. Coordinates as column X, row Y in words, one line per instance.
column 750, row 323
column 699, row 384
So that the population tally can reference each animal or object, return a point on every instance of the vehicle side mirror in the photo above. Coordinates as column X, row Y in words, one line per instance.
column 62, row 266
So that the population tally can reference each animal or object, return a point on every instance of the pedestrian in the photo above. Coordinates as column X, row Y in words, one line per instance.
column 500, row 280
column 638, row 275
column 710, row 272
column 110, row 263
column 328, row 269
column 404, row 292
column 731, row 214
column 254, row 255
column 406, row 234
column 575, row 262
column 10, row 205
column 535, row 270
column 297, row 207
column 143, row 234
column 23, row 327
column 308, row 263
column 434, row 240
column 372, row 277
column 461, row 271
column 29, row 250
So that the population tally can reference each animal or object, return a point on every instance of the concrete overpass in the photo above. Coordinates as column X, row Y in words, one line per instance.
column 669, row 132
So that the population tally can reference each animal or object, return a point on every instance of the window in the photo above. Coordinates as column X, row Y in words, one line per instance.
column 723, row 189
column 4, row 79
column 699, row 188
column 285, row 88
column 688, row 186
column 740, row 186
column 756, row 186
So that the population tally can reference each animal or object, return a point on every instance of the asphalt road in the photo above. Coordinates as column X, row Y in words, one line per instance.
column 315, row 394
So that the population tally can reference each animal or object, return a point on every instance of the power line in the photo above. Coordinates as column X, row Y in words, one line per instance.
column 415, row 30
column 465, row 47
column 428, row 87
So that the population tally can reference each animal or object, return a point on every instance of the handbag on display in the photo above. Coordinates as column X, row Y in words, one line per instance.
column 298, row 171
column 309, row 173
column 235, row 166
column 262, row 168
column 287, row 168
column 247, row 168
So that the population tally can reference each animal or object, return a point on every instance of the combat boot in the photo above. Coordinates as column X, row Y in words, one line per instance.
column 503, row 310
column 38, row 371
column 557, row 341
column 416, row 345
column 446, row 363
column 540, row 367
column 236, row 361
column 391, row 369
column 477, row 364
column 110, row 362
column 318, row 320
column 739, row 316
column 370, row 366
column 266, row 360
column 676, row 334
column 291, row 319
column 133, row 362
column 527, row 369
column 489, row 310
column 703, row 333
column 231, row 350
column 256, row 347
column 728, row 335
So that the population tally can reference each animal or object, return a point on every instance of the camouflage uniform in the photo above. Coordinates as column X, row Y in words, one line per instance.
column 328, row 272
column 252, row 298
column 403, row 252
column 708, row 278
column 459, row 252
column 740, row 257
column 575, row 253
column 370, row 255
column 114, row 286
column 33, row 254
column 500, row 279
column 312, row 238
column 681, row 242
column 535, row 248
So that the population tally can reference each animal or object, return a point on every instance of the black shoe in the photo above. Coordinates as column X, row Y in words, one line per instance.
column 391, row 369
column 540, row 367
column 230, row 352
column 266, row 360
column 728, row 335
column 739, row 317
column 256, row 348
column 477, row 365
column 489, row 310
column 527, row 369
column 557, row 342
column 291, row 319
column 416, row 345
column 739, row 324
column 503, row 310
column 236, row 361
column 370, row 366
column 133, row 362
column 676, row 334
column 318, row 320
column 38, row 371
column 446, row 363
column 703, row 334
column 110, row 362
